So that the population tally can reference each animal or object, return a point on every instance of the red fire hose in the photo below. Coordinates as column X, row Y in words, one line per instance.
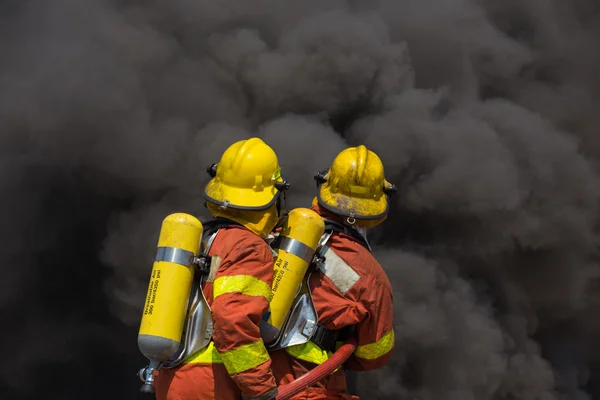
column 320, row 372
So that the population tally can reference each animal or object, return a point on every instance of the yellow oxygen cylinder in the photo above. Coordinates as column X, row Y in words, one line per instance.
column 295, row 247
column 166, row 305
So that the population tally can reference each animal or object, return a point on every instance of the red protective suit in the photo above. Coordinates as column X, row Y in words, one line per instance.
column 351, row 289
column 237, row 290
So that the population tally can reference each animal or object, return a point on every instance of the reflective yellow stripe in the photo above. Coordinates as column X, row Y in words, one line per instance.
column 245, row 357
column 208, row 355
column 375, row 350
column 309, row 352
column 244, row 284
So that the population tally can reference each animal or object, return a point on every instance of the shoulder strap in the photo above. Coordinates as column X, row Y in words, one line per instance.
column 336, row 227
column 215, row 224
column 211, row 229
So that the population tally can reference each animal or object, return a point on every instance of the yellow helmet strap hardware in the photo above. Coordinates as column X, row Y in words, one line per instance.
column 321, row 177
column 351, row 220
column 212, row 170
column 282, row 186
column 224, row 206
column 389, row 189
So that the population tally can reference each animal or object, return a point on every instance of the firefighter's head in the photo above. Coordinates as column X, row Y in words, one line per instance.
column 247, row 183
column 355, row 187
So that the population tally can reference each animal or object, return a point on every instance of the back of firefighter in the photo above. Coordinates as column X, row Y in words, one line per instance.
column 351, row 292
column 245, row 191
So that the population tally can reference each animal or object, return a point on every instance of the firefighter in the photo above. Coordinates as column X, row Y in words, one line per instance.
column 351, row 292
column 244, row 198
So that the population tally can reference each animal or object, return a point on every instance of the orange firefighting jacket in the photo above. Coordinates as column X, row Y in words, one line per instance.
column 351, row 288
column 237, row 290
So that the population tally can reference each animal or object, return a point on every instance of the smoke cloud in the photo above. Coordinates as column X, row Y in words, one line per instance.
column 484, row 113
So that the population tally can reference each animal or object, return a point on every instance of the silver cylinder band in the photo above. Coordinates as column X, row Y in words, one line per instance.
column 175, row 255
column 294, row 247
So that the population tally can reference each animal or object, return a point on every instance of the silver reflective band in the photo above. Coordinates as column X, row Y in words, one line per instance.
column 295, row 247
column 175, row 255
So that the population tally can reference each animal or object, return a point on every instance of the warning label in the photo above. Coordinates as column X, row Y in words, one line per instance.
column 278, row 272
column 152, row 288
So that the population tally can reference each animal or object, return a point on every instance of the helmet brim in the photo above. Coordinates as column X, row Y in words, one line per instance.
column 241, row 198
column 366, row 209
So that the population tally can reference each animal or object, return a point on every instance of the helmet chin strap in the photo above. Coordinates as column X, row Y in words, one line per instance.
column 282, row 209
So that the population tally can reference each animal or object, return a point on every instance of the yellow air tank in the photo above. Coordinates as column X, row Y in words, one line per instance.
column 166, row 305
column 295, row 247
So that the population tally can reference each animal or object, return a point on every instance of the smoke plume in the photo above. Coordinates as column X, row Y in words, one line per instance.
column 484, row 113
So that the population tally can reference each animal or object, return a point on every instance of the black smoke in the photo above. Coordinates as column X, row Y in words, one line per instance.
column 484, row 112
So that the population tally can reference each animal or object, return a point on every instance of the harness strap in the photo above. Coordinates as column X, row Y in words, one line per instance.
column 211, row 229
column 340, row 228
column 325, row 338
column 215, row 224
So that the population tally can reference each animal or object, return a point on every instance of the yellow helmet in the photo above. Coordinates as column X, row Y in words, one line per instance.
column 355, row 185
column 247, row 177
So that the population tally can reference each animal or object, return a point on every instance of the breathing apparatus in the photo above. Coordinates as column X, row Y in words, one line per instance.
column 164, row 315
column 295, row 246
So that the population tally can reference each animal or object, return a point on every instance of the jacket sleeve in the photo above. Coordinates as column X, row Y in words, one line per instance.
column 241, row 292
column 375, row 334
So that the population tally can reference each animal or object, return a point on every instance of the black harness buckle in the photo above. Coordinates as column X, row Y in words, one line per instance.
column 326, row 339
